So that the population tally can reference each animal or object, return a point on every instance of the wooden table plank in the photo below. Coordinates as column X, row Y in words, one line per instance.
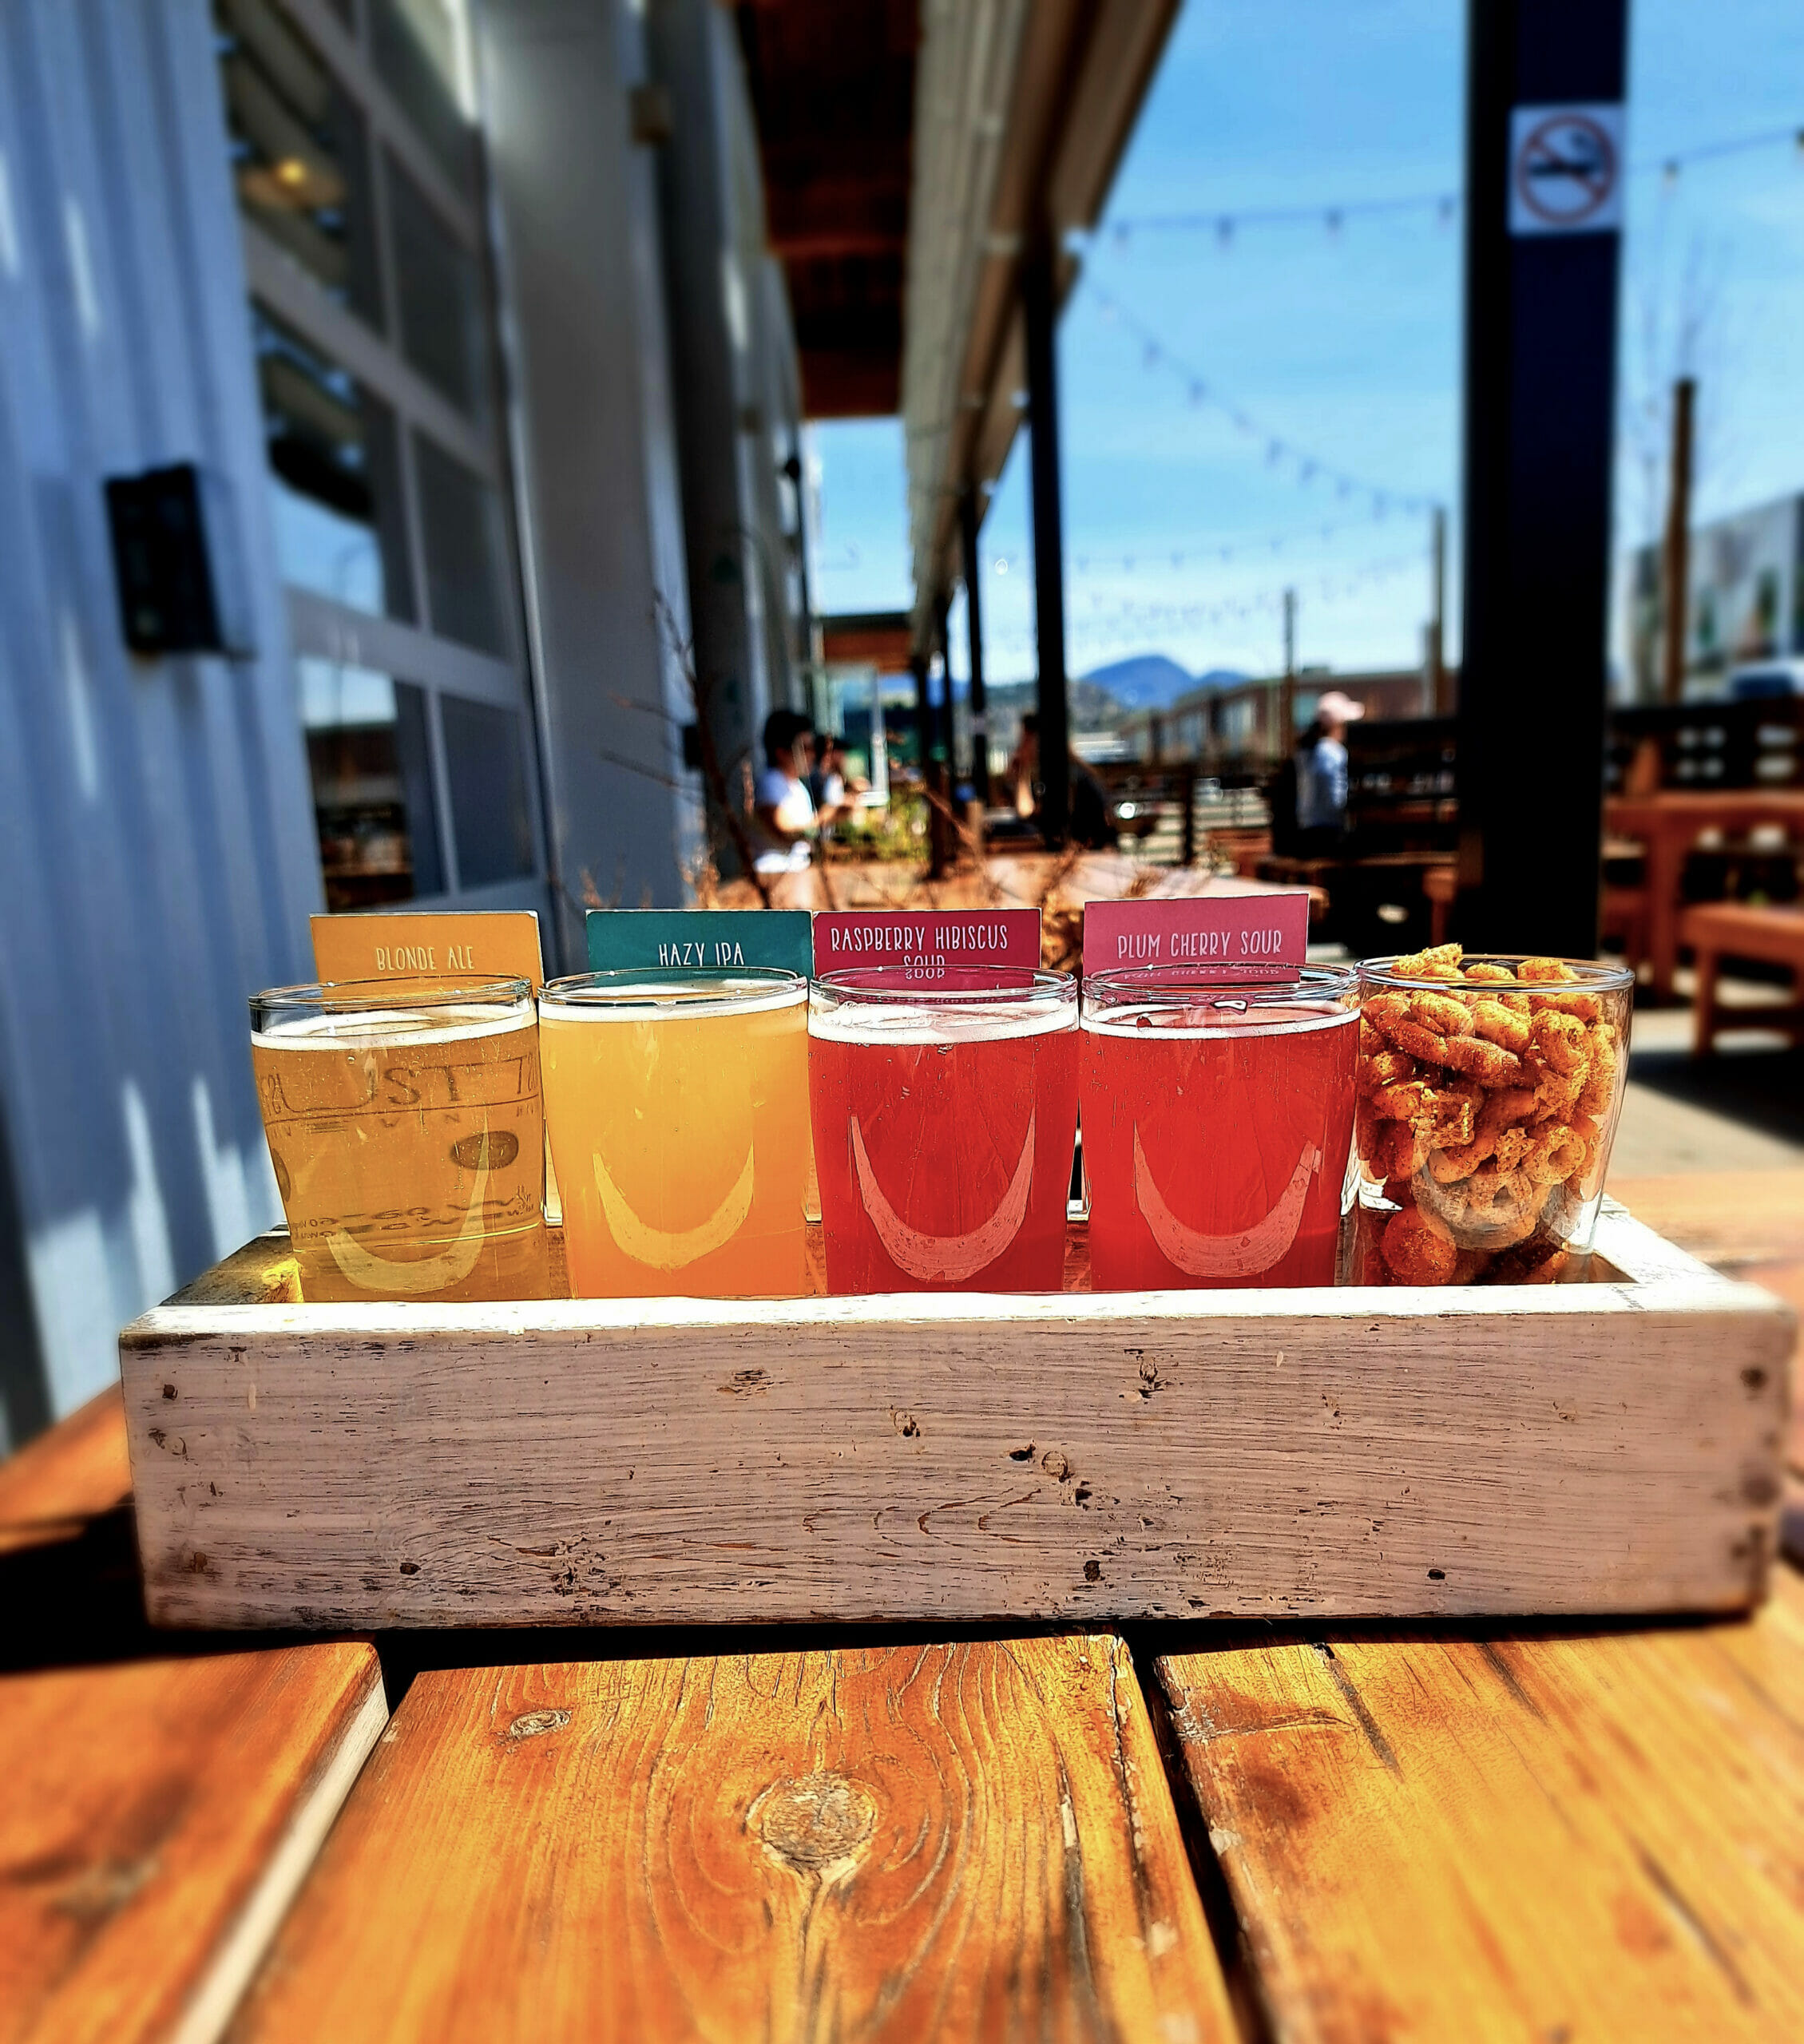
column 159, row 1809
column 74, row 1471
column 1574, row 1837
column 156, row 1819
column 943, row 1841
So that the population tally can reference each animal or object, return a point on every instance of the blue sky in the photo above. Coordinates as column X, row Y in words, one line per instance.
column 1346, row 345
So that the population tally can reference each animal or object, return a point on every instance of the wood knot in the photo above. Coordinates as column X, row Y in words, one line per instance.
column 533, row 1723
column 815, row 1823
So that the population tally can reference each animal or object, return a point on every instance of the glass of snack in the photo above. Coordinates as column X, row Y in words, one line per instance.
column 1217, row 1118
column 407, row 1136
column 1488, row 1091
column 945, row 1115
column 677, row 1104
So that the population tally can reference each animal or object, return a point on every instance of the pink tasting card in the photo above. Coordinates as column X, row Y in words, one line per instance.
column 934, row 938
column 1239, row 935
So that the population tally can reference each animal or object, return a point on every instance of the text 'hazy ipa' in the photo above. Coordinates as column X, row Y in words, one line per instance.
column 407, row 1133
column 1217, row 1123
column 944, row 1123
column 678, row 1107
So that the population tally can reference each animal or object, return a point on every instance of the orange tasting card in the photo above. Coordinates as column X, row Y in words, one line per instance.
column 406, row 946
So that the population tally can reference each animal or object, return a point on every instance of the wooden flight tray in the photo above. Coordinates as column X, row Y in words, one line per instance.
column 1603, row 1446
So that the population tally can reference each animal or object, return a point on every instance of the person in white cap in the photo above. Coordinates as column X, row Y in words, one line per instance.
column 1321, row 775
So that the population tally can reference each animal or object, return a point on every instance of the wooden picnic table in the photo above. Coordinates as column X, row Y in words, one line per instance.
column 1666, row 826
column 1011, row 880
column 1571, row 1831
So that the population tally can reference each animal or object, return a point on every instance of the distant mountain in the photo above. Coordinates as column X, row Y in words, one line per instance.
column 1151, row 681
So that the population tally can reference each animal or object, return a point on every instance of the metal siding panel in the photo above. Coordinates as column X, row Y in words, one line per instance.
column 157, row 839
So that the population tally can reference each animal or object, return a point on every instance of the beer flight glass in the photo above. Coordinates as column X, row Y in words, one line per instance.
column 407, row 1136
column 1218, row 1120
column 678, row 1106
column 945, row 1112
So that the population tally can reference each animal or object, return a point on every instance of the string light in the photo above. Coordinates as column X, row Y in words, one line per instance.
column 1443, row 205
column 1158, row 354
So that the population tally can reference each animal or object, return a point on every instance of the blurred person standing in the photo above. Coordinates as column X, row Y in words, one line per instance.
column 1321, row 763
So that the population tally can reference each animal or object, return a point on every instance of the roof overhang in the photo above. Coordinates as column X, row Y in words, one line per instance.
column 832, row 85
column 1022, row 109
column 883, row 638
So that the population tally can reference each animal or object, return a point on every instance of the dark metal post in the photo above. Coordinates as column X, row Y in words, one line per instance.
column 1039, row 313
column 1675, row 592
column 973, row 631
column 923, row 714
column 1439, row 704
column 940, row 775
column 1544, row 184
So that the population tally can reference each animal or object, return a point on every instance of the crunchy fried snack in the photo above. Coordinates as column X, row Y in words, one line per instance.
column 1555, row 1154
column 1560, row 1041
column 1599, row 1087
column 1440, row 1014
column 1501, row 1025
column 1482, row 1106
column 1489, row 1063
column 1440, row 961
column 1556, row 1093
column 1418, row 1249
column 1385, row 1067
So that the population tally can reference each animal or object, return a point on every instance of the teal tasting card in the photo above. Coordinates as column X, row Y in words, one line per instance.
column 628, row 939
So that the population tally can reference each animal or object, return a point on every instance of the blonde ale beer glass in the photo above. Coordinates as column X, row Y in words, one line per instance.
column 407, row 1135
column 678, row 1106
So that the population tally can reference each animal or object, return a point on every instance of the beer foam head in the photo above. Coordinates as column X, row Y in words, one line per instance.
column 653, row 1004
column 399, row 1027
column 1182, row 1021
column 928, row 1021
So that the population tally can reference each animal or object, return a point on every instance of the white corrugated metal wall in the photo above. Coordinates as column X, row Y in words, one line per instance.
column 157, row 861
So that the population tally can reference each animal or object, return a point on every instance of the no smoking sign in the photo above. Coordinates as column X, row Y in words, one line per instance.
column 1566, row 168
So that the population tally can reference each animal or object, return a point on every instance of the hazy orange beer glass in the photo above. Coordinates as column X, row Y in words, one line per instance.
column 945, row 1114
column 678, row 1106
column 1217, row 1118
column 407, row 1136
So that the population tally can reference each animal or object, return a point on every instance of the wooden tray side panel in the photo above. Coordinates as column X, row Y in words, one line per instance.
column 1616, row 1448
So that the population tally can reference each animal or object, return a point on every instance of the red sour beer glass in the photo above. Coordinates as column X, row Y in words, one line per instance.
column 945, row 1112
column 1217, row 1118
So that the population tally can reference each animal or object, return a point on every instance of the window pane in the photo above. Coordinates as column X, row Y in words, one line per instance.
column 413, row 43
column 460, row 527
column 334, row 476
column 485, row 765
column 439, row 287
column 299, row 151
column 372, row 785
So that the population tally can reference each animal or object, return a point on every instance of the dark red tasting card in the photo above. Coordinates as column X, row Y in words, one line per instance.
column 926, row 940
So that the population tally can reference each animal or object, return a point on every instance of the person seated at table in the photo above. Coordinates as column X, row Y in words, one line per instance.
column 830, row 788
column 1320, row 764
column 782, row 811
column 1090, row 823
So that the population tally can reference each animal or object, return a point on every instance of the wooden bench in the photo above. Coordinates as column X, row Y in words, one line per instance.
column 1716, row 930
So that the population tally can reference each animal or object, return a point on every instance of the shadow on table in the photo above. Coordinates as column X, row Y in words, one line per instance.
column 70, row 1596
column 1763, row 1090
